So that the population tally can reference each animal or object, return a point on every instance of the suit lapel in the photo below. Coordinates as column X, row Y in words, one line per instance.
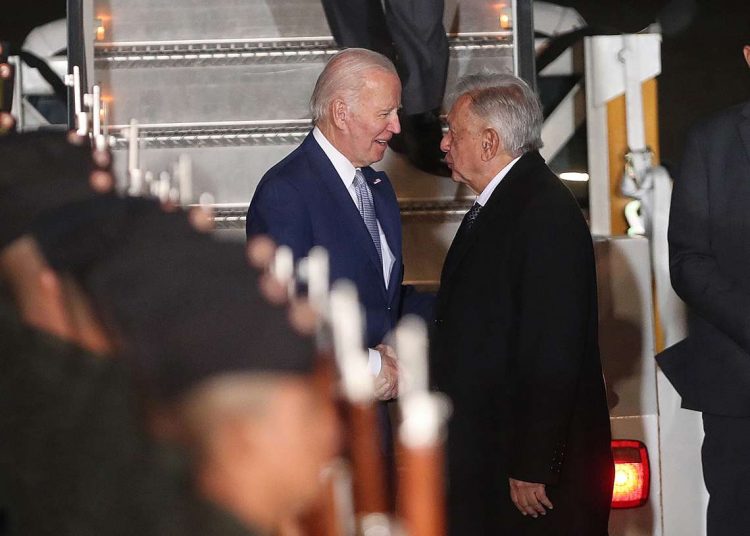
column 504, row 201
column 348, row 212
column 744, row 127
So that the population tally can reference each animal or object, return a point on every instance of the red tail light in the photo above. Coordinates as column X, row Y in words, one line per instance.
column 632, row 474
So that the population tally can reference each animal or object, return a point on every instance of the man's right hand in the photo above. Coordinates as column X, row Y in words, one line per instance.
column 386, row 382
column 529, row 497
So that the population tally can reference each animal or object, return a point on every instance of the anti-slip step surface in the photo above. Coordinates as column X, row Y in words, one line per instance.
column 215, row 89
column 231, row 173
column 252, row 51
column 175, row 20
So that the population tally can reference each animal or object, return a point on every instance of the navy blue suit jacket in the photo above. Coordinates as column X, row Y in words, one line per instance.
column 302, row 202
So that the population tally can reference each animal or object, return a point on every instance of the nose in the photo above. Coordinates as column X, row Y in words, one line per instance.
column 394, row 125
column 445, row 143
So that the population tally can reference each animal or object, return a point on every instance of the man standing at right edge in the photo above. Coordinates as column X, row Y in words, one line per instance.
column 709, row 261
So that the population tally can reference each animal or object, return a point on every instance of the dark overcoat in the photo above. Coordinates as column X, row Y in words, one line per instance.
column 514, row 345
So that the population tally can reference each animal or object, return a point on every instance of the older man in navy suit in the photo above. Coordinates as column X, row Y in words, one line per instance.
column 325, row 193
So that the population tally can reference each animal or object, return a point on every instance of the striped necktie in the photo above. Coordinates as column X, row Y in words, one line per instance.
column 367, row 209
column 471, row 216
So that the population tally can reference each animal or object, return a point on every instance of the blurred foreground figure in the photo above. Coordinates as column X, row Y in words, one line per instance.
column 258, row 446
column 92, row 275
column 66, row 418
column 237, row 383
column 709, row 264
column 221, row 372
column 515, row 344
column 40, row 172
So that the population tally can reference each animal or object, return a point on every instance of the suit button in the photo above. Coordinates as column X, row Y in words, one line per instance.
column 388, row 308
column 438, row 321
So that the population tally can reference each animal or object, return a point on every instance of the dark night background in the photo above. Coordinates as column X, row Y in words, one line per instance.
column 703, row 69
column 18, row 17
column 702, row 65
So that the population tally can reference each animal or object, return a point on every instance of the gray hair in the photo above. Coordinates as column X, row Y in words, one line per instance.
column 344, row 75
column 509, row 105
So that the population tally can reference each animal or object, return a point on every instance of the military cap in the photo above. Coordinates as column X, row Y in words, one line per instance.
column 79, row 235
column 144, row 282
column 195, row 312
column 127, row 253
column 39, row 171
column 223, row 326
column 182, row 305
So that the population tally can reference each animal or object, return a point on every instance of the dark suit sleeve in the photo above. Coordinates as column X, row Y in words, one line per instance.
column 555, row 296
column 696, row 275
column 417, row 303
column 278, row 210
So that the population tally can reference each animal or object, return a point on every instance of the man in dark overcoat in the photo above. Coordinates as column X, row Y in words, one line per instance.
column 514, row 343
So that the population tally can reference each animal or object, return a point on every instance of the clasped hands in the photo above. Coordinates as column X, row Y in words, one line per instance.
column 386, row 382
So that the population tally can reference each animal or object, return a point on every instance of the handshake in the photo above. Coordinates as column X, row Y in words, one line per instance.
column 386, row 382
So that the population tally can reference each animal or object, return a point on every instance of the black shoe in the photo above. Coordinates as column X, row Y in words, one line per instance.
column 420, row 140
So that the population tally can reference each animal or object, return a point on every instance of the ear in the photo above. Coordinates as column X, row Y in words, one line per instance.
column 339, row 113
column 490, row 144
column 746, row 52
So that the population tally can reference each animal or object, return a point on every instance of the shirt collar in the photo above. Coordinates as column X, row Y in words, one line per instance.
column 343, row 167
column 487, row 192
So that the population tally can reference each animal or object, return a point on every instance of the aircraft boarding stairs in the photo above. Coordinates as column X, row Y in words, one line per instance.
column 227, row 83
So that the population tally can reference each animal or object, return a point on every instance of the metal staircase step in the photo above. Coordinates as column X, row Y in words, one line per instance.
column 113, row 55
column 227, row 82
column 200, row 94
column 231, row 173
column 190, row 135
column 189, row 53
column 146, row 20
column 234, row 215
column 171, row 20
column 218, row 89
column 427, row 228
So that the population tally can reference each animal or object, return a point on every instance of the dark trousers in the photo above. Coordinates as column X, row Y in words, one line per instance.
column 409, row 32
column 726, row 471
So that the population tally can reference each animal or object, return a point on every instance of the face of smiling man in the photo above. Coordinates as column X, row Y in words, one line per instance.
column 370, row 120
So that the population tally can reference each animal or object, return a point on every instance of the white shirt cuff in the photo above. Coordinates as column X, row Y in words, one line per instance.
column 374, row 361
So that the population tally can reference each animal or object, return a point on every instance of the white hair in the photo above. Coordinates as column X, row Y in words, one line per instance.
column 509, row 105
column 344, row 76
